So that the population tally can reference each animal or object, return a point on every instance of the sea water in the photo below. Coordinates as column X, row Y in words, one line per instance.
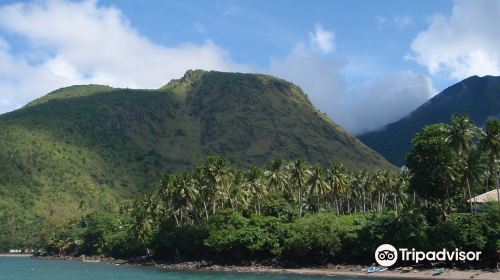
column 26, row 268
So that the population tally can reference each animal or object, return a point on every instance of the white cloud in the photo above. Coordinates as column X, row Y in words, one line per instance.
column 373, row 104
column 323, row 39
column 320, row 78
column 464, row 43
column 403, row 21
column 365, row 107
column 83, row 43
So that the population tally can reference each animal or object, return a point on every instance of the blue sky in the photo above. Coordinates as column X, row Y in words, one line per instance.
column 364, row 63
column 369, row 33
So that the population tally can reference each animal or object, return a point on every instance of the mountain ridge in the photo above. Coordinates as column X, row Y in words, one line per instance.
column 478, row 97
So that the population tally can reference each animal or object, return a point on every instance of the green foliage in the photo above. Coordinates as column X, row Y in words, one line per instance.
column 432, row 165
column 408, row 230
column 97, row 229
column 279, row 208
column 462, row 231
column 236, row 237
column 185, row 242
column 317, row 238
column 120, row 244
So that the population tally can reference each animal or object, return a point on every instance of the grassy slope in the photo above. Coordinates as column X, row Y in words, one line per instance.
column 479, row 97
column 87, row 147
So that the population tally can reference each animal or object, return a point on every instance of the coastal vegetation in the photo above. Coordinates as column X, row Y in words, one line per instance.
column 296, row 213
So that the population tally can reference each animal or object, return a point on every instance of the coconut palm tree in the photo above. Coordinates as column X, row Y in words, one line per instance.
column 276, row 176
column 256, row 186
column 299, row 174
column 472, row 169
column 239, row 193
column 462, row 137
column 216, row 174
column 358, row 186
column 337, row 180
column 400, row 189
column 317, row 185
column 186, row 195
column 490, row 143
column 462, row 134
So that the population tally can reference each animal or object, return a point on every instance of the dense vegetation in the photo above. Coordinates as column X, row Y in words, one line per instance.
column 478, row 97
column 299, row 214
column 87, row 148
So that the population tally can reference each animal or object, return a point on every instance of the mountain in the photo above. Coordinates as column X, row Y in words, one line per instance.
column 478, row 97
column 87, row 147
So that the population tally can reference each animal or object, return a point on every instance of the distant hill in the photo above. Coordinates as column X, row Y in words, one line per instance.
column 478, row 97
column 87, row 147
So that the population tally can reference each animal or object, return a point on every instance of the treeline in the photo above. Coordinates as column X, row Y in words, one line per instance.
column 300, row 213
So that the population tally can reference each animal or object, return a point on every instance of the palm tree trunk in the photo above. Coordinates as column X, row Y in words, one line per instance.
column 300, row 201
column 379, row 202
column 318, row 202
column 206, row 209
column 470, row 194
column 497, row 184
column 175, row 217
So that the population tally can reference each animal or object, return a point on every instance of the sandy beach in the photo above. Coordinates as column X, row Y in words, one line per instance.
column 16, row 255
column 335, row 270
column 451, row 274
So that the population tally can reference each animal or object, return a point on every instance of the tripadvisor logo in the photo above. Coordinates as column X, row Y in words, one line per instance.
column 387, row 255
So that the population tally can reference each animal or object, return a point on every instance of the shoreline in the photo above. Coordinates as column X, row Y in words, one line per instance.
column 332, row 270
column 16, row 255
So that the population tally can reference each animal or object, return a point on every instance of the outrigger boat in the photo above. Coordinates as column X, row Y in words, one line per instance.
column 437, row 271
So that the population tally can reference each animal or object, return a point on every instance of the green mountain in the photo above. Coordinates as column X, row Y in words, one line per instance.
column 478, row 97
column 88, row 147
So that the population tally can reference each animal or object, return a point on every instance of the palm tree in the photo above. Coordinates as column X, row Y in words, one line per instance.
column 216, row 174
column 239, row 192
column 358, row 185
column 186, row 195
column 142, row 224
column 317, row 185
column 462, row 136
column 473, row 168
column 490, row 143
column 336, row 179
column 400, row 189
column 276, row 176
column 256, row 187
column 298, row 176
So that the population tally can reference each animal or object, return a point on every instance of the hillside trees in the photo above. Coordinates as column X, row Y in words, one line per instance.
column 451, row 163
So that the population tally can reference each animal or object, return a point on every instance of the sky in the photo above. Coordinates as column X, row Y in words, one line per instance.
column 364, row 63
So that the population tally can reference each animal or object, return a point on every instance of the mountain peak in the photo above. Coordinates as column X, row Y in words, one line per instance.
column 191, row 75
column 478, row 97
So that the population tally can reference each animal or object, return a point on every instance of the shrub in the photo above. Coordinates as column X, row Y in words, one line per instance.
column 236, row 237
column 407, row 230
column 317, row 238
column 183, row 242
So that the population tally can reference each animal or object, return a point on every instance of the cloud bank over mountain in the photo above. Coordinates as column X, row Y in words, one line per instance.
column 462, row 44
